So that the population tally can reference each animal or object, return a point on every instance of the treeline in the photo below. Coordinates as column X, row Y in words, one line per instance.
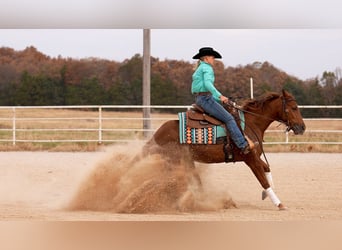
column 29, row 77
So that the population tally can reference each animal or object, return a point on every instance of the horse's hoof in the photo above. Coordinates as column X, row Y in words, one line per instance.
column 186, row 202
column 281, row 207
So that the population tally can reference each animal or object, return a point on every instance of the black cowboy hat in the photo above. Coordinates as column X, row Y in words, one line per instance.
column 206, row 51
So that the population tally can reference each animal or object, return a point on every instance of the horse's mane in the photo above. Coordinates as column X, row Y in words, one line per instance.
column 258, row 103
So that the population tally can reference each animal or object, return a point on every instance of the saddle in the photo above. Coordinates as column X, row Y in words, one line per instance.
column 197, row 118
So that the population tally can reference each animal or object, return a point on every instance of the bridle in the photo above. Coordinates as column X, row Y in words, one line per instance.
column 286, row 111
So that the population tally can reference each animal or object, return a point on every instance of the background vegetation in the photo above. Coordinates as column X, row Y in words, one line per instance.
column 29, row 77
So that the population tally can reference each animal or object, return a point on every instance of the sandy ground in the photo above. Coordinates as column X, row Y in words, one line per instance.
column 41, row 185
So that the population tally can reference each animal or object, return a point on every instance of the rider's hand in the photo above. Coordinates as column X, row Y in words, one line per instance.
column 224, row 99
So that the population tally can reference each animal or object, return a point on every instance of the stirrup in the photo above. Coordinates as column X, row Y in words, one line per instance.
column 246, row 150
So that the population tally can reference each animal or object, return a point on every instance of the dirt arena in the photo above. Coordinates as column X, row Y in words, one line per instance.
column 103, row 186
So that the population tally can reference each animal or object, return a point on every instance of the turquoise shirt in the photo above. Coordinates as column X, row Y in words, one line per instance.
column 203, row 80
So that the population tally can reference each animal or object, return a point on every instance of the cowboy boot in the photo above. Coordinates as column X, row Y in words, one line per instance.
column 250, row 143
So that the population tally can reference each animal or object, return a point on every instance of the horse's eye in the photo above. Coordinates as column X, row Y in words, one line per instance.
column 294, row 108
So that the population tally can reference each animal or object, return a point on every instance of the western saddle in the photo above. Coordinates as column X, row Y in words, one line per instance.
column 197, row 118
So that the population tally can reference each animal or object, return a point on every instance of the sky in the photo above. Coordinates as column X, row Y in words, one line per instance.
column 302, row 38
column 304, row 53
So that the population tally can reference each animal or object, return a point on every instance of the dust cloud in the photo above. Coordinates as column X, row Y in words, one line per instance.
column 126, row 181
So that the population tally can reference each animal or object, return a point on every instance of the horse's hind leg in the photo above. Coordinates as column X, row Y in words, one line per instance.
column 195, row 175
column 175, row 154
column 185, row 158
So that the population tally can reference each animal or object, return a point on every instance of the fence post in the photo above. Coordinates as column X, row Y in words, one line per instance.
column 100, row 124
column 146, row 82
column 287, row 137
column 13, row 126
column 251, row 86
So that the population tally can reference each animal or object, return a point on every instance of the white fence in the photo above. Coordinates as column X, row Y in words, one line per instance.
column 107, row 123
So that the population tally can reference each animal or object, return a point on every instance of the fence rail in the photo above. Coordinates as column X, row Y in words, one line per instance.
column 112, row 123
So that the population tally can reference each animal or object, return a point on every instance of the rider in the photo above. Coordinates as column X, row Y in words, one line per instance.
column 208, row 97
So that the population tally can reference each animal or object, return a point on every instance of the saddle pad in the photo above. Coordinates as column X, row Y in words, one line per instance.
column 189, row 135
column 242, row 120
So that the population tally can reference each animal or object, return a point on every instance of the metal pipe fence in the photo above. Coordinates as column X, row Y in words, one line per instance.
column 115, row 123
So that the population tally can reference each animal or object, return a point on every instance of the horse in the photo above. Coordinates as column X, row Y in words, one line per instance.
column 259, row 114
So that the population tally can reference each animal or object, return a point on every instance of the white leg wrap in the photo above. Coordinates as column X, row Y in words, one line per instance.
column 273, row 196
column 269, row 179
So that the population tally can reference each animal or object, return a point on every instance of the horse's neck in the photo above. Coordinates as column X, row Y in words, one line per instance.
column 259, row 123
column 262, row 120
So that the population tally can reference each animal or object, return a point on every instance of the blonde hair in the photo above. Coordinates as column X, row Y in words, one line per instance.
column 197, row 64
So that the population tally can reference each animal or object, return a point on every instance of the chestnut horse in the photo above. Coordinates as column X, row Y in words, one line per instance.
column 259, row 114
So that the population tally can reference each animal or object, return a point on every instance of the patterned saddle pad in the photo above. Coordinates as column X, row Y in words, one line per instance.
column 207, row 135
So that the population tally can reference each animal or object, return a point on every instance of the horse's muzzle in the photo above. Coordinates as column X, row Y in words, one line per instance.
column 298, row 129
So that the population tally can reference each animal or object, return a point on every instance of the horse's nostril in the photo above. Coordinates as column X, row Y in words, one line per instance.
column 298, row 129
column 302, row 128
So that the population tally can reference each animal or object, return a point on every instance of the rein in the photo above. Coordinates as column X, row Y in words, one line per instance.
column 284, row 110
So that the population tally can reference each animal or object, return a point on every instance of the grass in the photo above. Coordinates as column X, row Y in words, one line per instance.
column 120, row 126
column 116, row 127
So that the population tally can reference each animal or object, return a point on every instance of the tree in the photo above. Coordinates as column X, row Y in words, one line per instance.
column 90, row 92
column 130, row 79
column 328, row 81
column 296, row 89
column 38, row 90
column 7, row 86
column 163, row 92
column 314, row 93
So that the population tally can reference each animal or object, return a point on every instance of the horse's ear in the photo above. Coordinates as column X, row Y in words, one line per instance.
column 285, row 93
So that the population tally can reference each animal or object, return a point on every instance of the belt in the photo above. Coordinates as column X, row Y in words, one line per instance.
column 202, row 93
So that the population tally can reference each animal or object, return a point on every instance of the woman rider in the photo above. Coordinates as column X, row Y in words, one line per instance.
column 209, row 98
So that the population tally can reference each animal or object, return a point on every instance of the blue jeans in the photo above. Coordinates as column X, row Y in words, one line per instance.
column 213, row 108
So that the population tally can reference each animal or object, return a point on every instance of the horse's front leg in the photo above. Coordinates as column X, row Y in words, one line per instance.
column 263, row 174
column 270, row 181
column 269, row 178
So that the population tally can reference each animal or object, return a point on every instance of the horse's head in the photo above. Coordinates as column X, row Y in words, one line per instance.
column 291, row 115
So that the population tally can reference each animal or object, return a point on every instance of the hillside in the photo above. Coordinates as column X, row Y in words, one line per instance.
column 29, row 77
